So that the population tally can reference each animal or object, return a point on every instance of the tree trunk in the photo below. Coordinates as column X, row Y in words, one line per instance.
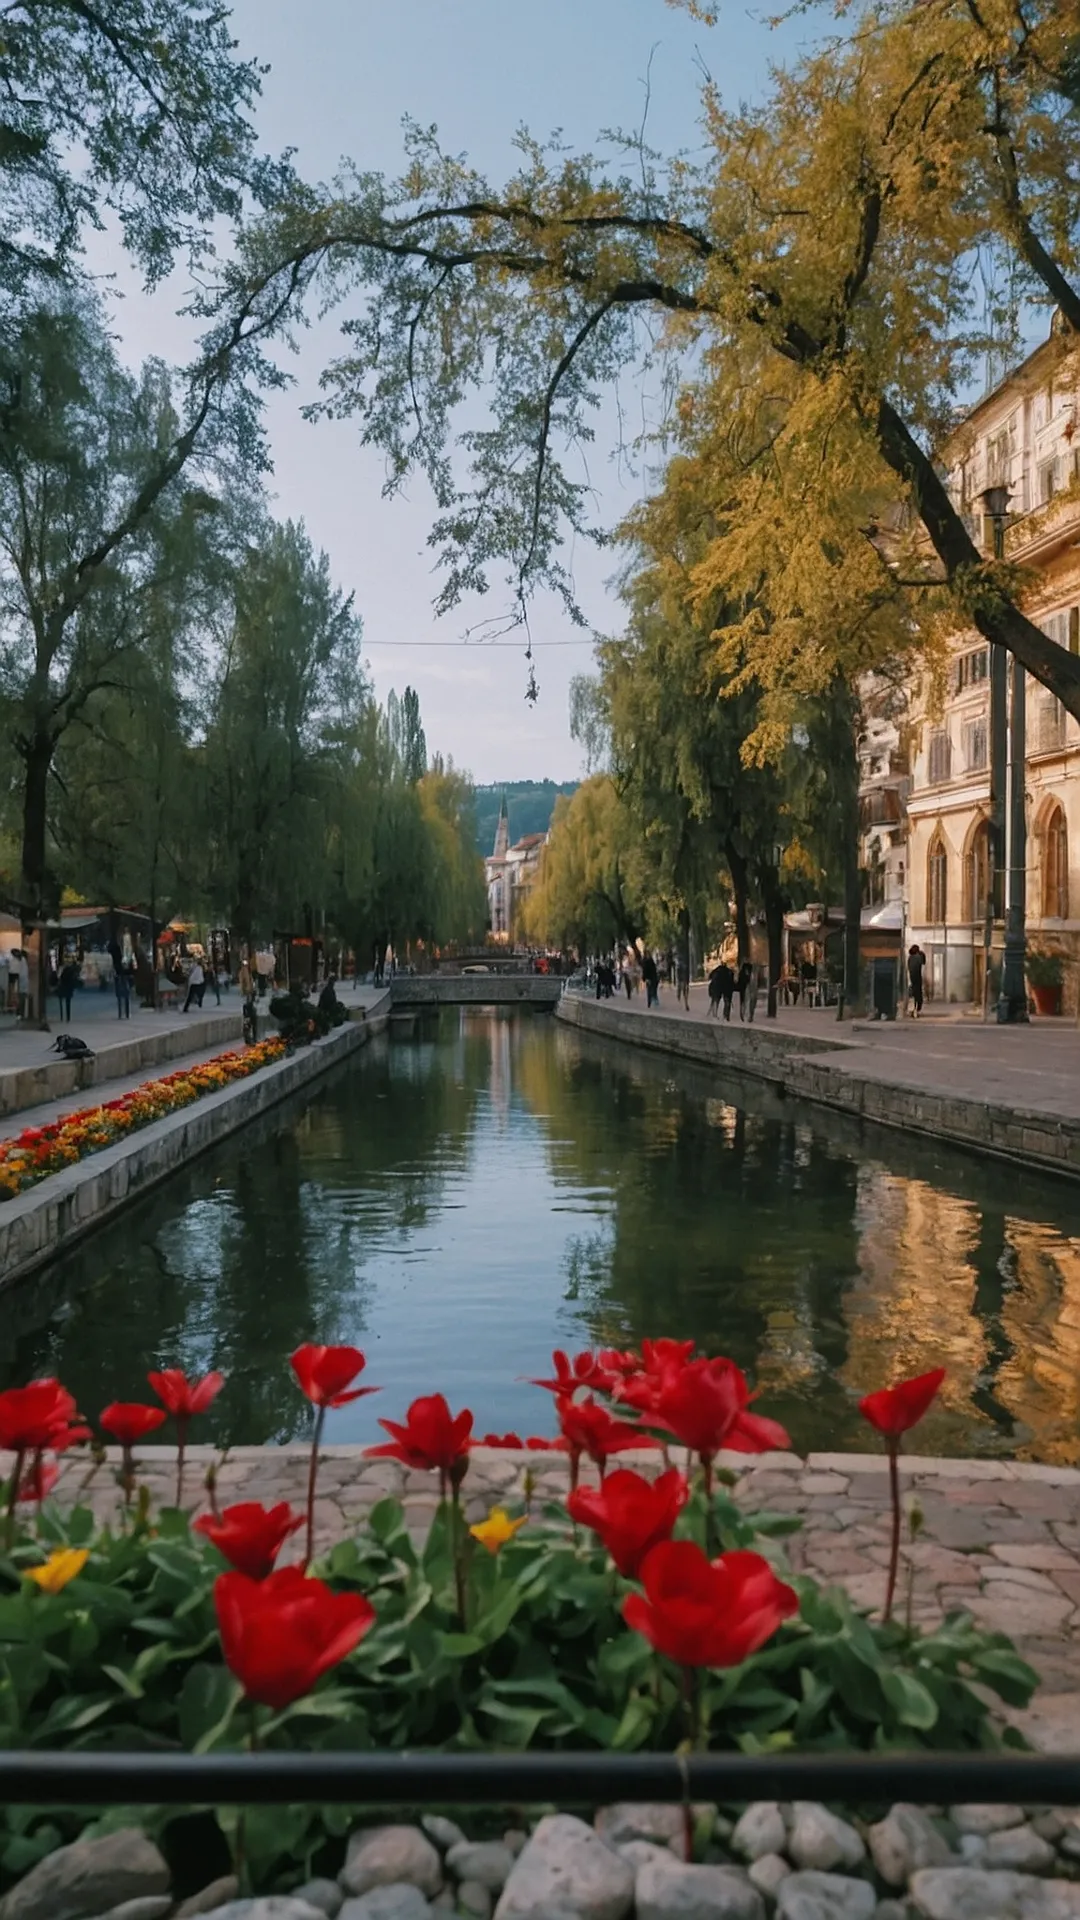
column 740, row 888
column 774, row 926
column 683, row 947
column 34, row 886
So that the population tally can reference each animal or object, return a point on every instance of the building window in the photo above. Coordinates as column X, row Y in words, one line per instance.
column 976, row 752
column 1047, row 481
column 1049, row 724
column 940, row 757
column 979, row 873
column 937, row 882
column 1056, row 867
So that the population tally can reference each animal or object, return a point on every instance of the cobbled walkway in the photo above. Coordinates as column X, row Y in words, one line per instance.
column 999, row 1538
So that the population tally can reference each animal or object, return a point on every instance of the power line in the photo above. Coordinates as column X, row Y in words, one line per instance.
column 476, row 646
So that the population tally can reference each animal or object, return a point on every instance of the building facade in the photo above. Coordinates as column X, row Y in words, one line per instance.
column 510, row 872
column 1024, row 435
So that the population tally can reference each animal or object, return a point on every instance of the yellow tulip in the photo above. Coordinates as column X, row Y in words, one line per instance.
column 496, row 1530
column 59, row 1568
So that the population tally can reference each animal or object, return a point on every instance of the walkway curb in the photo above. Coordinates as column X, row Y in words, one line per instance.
column 22, row 1088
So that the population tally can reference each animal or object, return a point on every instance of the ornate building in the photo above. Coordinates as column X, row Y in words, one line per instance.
column 510, row 872
column 1024, row 435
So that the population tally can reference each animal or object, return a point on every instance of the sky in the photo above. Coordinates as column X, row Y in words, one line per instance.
column 343, row 74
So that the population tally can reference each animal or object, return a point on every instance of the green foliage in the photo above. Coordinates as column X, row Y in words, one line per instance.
column 530, row 805
column 126, row 1656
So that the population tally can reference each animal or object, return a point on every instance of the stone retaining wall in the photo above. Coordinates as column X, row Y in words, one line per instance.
column 475, row 990
column 49, row 1218
column 760, row 1050
column 55, row 1079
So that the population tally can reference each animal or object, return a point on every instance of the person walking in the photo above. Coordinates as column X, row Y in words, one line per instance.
column 244, row 980
column 66, row 985
column 721, row 988
column 196, row 984
column 746, row 975
column 22, row 975
column 651, row 977
column 121, row 982
column 682, row 981
column 916, row 962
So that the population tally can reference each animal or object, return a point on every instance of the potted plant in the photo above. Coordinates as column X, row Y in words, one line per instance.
column 1045, row 972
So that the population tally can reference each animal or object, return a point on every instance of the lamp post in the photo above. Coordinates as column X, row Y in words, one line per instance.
column 1012, row 998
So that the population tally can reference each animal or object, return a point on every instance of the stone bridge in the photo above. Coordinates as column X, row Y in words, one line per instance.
column 476, row 990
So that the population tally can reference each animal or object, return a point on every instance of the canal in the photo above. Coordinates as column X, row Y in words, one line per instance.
column 461, row 1200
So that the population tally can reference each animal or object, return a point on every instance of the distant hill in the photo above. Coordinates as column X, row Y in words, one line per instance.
column 529, row 803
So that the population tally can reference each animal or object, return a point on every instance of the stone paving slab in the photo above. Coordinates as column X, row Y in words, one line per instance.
column 998, row 1538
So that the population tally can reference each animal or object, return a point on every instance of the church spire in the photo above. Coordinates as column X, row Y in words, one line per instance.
column 502, row 832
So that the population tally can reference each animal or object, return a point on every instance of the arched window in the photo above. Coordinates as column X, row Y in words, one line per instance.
column 937, row 882
column 1055, row 903
column 979, row 873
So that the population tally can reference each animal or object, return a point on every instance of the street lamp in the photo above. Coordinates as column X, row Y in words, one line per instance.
column 1012, row 998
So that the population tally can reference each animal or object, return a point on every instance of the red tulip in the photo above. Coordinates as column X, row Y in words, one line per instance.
column 704, row 1405
column 37, row 1417
column 432, row 1438
column 619, row 1365
column 324, row 1373
column 631, row 1514
column 589, row 1428
column 129, row 1423
column 250, row 1536
column 659, row 1358
column 38, row 1481
column 184, row 1398
column 705, row 1613
column 570, row 1374
column 501, row 1440
column 895, row 1410
column 281, row 1634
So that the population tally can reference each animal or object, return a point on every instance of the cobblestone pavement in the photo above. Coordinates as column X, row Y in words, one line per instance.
column 999, row 1538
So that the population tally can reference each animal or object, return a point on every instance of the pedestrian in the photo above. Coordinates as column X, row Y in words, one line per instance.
column 22, row 975
column 66, row 985
column 682, row 981
column 651, row 977
column 916, row 961
column 628, row 978
column 265, row 966
column 244, row 980
column 746, row 975
column 121, row 983
column 721, row 988
column 196, row 984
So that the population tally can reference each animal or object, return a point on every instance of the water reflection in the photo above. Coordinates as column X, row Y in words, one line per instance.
column 462, row 1199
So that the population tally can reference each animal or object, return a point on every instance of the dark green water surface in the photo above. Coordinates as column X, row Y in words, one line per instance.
column 460, row 1201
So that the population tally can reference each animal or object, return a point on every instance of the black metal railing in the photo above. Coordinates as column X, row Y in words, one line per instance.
column 524, row 1779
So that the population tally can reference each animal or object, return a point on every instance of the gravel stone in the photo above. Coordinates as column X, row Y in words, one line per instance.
column 474, row 1897
column 905, row 1841
column 760, row 1831
column 444, row 1902
column 892, row 1910
column 445, row 1833
column 486, row 1861
column 89, row 1877
column 398, row 1901
column 821, row 1840
column 973, row 1847
column 515, row 1838
column 827, row 1896
column 965, row 1893
column 766, row 1873
column 324, row 1894
column 980, row 1819
column 660, row 1820
column 390, row 1856
column 1019, row 1848
column 270, row 1906
column 640, row 1851
column 216, row 1894
column 668, row 1890
column 566, row 1868
column 152, row 1906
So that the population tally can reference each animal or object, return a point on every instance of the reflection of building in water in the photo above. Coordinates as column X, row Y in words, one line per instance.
column 911, row 1305
column 1039, row 1382
column 485, row 1024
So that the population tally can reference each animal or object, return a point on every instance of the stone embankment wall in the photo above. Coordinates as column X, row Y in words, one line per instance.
column 839, row 1074
column 54, row 1079
column 48, row 1219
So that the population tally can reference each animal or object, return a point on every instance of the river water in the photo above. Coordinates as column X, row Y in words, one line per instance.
column 462, row 1199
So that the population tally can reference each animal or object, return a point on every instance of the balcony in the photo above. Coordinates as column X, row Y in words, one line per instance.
column 1046, row 528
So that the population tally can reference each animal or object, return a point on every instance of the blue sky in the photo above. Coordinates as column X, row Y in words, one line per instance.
column 343, row 74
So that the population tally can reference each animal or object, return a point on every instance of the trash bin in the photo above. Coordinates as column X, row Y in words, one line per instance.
column 883, row 989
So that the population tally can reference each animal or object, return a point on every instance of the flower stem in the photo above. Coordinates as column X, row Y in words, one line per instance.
column 689, row 1685
column 12, row 1500
column 181, row 1445
column 313, row 1472
column 457, row 1543
column 894, row 1543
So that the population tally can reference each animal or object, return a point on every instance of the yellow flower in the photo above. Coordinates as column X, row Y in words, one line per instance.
column 59, row 1568
column 496, row 1530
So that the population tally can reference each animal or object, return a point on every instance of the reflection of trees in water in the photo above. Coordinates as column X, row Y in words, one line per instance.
column 826, row 1258
column 256, row 1248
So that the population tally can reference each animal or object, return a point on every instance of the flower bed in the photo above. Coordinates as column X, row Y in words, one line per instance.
column 36, row 1152
column 638, row 1613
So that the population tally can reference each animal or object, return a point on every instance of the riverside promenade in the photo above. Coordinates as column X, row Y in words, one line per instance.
column 1013, row 1092
column 998, row 1538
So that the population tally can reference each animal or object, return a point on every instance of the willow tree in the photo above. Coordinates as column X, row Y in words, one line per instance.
column 587, row 892
column 818, row 264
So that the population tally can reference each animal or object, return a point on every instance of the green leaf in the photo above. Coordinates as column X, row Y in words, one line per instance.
column 208, row 1700
column 517, row 1725
column 1011, row 1678
column 125, row 1681
column 908, row 1698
